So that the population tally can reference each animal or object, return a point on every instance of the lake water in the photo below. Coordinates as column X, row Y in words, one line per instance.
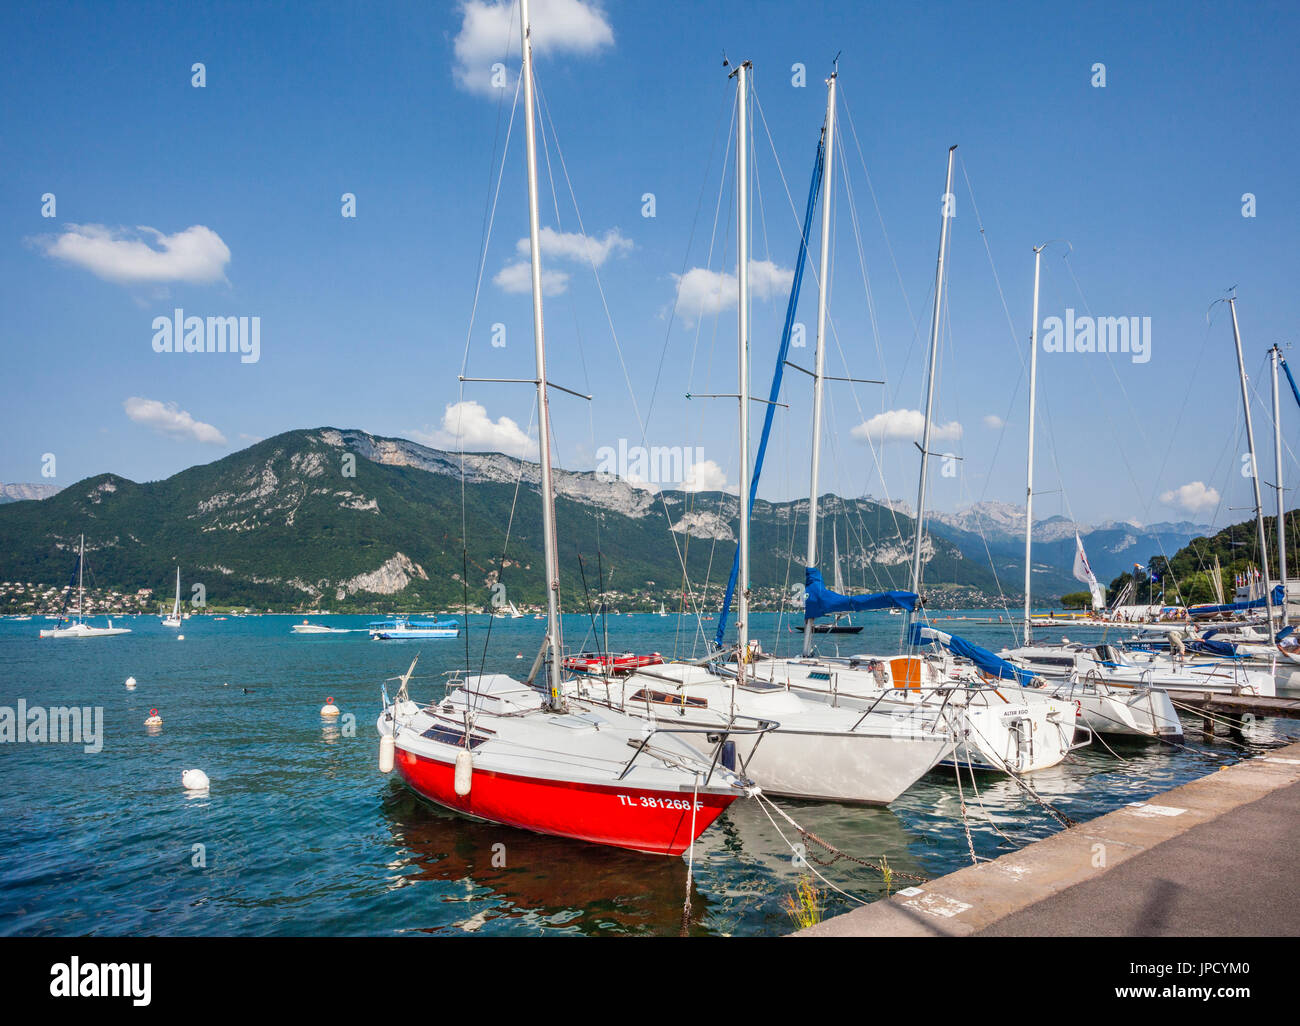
column 301, row 835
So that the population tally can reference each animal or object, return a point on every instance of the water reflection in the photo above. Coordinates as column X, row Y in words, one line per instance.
column 549, row 880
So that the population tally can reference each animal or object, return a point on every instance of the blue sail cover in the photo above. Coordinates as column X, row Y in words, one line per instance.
column 819, row 600
column 1232, row 607
column 1294, row 391
column 782, row 354
column 991, row 664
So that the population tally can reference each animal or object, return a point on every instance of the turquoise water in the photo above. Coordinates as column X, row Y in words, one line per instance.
column 301, row 834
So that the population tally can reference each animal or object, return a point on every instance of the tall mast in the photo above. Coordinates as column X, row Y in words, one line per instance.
column 742, row 334
column 929, row 391
column 1254, row 465
column 553, row 625
column 1276, row 354
column 828, row 149
column 81, row 573
column 1029, row 472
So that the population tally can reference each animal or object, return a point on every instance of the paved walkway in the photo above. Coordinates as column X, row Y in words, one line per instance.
column 1215, row 857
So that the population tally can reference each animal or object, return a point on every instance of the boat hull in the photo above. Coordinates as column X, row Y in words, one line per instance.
column 656, row 822
column 849, row 768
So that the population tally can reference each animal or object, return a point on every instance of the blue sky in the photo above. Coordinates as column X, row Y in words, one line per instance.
column 364, row 320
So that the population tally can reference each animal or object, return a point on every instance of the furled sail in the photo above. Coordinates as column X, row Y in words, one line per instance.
column 820, row 600
column 991, row 664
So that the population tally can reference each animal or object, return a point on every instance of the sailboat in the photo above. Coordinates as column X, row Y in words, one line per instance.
column 662, row 611
column 80, row 629
column 993, row 731
column 173, row 619
column 1118, row 704
column 503, row 750
column 815, row 750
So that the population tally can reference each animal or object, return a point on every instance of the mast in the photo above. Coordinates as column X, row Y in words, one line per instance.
column 1029, row 472
column 1254, row 465
column 929, row 391
column 828, row 149
column 555, row 639
column 176, row 609
column 81, row 572
column 1276, row 354
column 742, row 335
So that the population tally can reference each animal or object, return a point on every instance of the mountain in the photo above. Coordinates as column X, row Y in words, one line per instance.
column 345, row 519
column 20, row 492
column 1113, row 547
column 1186, row 576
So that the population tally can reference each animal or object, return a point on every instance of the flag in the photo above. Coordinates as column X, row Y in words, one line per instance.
column 1083, row 573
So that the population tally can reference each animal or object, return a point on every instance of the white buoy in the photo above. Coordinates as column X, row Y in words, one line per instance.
column 194, row 780
column 130, row 683
column 387, row 748
column 154, row 719
column 180, row 637
column 329, row 708
column 464, row 771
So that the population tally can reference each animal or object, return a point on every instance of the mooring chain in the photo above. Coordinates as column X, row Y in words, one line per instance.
column 809, row 835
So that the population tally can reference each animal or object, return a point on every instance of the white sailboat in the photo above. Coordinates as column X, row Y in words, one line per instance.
column 1020, row 734
column 81, row 629
column 506, row 752
column 816, row 750
column 173, row 619
column 1128, row 706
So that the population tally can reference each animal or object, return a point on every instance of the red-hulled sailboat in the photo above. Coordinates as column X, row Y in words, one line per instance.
column 503, row 751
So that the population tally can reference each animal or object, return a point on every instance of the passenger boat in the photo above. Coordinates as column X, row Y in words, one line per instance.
column 402, row 629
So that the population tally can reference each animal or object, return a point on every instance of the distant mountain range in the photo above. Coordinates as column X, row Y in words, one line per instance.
column 20, row 492
column 344, row 519
column 1113, row 547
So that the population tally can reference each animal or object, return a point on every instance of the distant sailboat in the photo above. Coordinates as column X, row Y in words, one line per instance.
column 79, row 629
column 173, row 619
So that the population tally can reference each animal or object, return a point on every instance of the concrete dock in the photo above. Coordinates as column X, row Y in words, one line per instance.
column 1214, row 857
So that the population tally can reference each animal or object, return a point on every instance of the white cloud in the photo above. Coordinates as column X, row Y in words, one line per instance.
column 575, row 246
column 701, row 292
column 707, row 476
column 904, row 426
column 1193, row 497
column 466, row 425
column 992, row 420
column 518, row 278
column 489, row 33
column 196, row 255
column 169, row 419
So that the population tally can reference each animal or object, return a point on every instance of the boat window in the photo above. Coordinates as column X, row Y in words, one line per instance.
column 667, row 698
column 819, row 675
column 455, row 738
